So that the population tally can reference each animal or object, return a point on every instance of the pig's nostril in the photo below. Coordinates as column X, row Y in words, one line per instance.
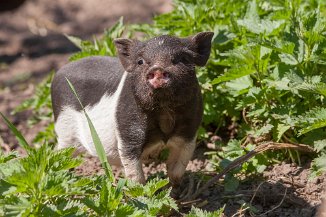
column 166, row 75
column 150, row 76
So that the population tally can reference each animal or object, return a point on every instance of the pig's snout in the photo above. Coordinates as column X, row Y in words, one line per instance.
column 158, row 78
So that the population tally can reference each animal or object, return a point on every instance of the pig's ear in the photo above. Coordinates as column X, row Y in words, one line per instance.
column 202, row 47
column 124, row 48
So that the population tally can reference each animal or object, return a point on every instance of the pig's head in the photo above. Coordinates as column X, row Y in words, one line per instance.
column 162, row 69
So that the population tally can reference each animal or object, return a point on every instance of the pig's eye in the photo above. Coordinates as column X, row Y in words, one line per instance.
column 140, row 62
column 175, row 60
column 185, row 59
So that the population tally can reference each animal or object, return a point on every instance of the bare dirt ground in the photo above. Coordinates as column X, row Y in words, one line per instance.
column 32, row 43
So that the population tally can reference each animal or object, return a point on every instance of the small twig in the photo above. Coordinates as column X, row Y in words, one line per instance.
column 256, row 190
column 244, row 116
column 234, row 196
column 292, row 182
column 239, row 212
column 201, row 204
column 249, row 139
column 240, row 160
column 190, row 202
column 286, row 189
column 198, row 185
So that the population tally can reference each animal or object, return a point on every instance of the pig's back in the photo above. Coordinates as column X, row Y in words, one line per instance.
column 92, row 77
column 98, row 82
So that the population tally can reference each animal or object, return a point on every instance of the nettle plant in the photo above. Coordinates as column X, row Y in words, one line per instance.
column 265, row 74
column 265, row 77
column 43, row 184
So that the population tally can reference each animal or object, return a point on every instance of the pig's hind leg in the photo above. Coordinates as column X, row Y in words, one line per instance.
column 66, row 130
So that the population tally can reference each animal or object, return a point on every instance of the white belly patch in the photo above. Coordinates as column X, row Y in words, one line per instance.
column 72, row 128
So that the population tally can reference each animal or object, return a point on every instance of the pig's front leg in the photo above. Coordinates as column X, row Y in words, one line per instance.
column 131, row 162
column 131, row 130
column 181, row 152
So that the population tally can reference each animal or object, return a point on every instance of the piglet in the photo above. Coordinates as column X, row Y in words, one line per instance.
column 145, row 100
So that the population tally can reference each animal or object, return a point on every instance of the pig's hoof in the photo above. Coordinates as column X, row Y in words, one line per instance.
column 190, row 189
column 137, row 178
column 181, row 187
column 178, row 186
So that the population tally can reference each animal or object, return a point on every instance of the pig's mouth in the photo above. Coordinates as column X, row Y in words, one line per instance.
column 158, row 79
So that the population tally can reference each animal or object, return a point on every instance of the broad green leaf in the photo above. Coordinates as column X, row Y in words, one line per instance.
column 154, row 185
column 288, row 59
column 232, row 150
column 240, row 85
column 135, row 189
column 253, row 23
column 231, row 183
column 196, row 212
column 321, row 162
column 263, row 130
column 281, row 129
column 7, row 157
column 18, row 206
column 10, row 167
column 104, row 195
column 320, row 145
column 127, row 210
column 312, row 120
column 233, row 74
